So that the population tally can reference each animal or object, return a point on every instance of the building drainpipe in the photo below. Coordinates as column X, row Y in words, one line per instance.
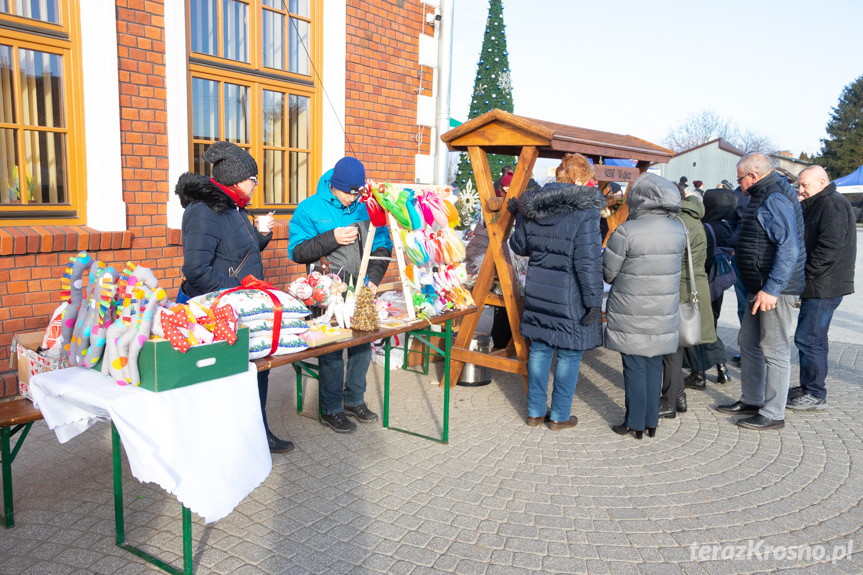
column 441, row 160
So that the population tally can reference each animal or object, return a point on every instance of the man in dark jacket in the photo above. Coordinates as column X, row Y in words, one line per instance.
column 831, row 248
column 770, row 257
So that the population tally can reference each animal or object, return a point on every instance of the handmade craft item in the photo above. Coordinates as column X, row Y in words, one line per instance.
column 365, row 316
column 71, row 291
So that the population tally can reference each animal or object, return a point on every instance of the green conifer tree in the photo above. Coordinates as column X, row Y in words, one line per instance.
column 492, row 89
column 842, row 150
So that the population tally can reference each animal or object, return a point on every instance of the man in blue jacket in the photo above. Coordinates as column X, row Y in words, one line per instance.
column 770, row 257
column 333, row 225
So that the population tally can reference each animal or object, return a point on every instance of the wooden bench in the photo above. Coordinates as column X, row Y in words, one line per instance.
column 17, row 414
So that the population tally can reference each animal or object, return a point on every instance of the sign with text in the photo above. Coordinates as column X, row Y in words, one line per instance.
column 615, row 173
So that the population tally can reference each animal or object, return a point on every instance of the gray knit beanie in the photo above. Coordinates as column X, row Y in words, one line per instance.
column 231, row 163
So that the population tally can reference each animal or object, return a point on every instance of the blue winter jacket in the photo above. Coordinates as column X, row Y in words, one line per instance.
column 311, row 235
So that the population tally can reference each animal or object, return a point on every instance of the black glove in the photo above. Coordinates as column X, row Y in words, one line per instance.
column 591, row 316
column 512, row 206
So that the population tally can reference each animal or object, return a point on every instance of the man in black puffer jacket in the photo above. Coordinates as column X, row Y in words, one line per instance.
column 831, row 248
column 770, row 257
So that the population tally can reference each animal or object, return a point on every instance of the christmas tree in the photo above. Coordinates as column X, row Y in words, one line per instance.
column 492, row 89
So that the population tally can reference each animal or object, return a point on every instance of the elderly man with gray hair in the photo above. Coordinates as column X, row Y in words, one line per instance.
column 831, row 249
column 770, row 257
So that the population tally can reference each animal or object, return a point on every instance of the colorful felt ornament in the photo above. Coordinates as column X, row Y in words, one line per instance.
column 89, row 323
column 71, row 290
column 377, row 215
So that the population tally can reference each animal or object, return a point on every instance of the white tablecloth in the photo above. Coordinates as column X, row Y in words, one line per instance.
column 203, row 443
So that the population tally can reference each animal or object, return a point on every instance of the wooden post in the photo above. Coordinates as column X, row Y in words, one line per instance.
column 497, row 260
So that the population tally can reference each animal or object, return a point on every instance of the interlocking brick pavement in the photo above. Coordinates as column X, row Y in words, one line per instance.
column 500, row 498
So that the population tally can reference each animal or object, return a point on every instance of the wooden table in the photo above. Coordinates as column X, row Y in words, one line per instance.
column 420, row 329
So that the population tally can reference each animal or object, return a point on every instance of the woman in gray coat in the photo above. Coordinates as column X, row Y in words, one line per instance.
column 642, row 263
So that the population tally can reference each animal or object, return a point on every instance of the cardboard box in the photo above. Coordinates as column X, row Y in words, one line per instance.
column 163, row 368
column 416, row 351
column 28, row 363
column 315, row 338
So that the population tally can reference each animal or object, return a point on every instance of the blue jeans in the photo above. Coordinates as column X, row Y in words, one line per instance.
column 811, row 341
column 765, row 351
column 642, row 381
column 565, row 378
column 335, row 388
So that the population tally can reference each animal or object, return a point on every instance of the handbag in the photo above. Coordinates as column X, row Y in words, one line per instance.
column 182, row 296
column 690, row 314
column 721, row 275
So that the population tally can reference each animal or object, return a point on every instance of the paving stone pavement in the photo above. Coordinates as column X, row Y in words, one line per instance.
column 500, row 498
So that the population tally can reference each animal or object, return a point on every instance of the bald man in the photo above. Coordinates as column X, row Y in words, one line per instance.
column 831, row 248
column 770, row 257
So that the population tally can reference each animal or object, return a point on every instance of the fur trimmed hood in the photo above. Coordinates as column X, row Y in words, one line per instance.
column 196, row 188
column 557, row 199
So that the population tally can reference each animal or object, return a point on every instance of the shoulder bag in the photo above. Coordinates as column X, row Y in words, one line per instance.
column 690, row 315
column 721, row 275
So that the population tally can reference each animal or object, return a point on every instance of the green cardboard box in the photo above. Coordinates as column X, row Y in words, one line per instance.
column 162, row 367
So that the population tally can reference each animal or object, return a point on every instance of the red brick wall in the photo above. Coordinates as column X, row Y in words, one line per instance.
column 382, row 74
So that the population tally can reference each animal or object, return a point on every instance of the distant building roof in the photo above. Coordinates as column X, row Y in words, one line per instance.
column 723, row 145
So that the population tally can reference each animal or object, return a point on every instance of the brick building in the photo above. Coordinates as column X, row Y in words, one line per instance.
column 103, row 104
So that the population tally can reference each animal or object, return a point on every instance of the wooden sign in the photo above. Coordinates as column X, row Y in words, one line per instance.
column 615, row 173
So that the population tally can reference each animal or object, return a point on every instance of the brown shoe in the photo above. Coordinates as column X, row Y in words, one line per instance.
column 535, row 421
column 559, row 425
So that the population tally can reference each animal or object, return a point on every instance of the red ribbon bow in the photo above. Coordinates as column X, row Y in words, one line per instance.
column 251, row 282
column 225, row 324
column 171, row 324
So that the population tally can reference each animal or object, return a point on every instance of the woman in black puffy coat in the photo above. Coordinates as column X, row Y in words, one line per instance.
column 220, row 244
column 557, row 228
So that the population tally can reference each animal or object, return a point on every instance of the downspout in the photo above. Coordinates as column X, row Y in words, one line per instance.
column 441, row 162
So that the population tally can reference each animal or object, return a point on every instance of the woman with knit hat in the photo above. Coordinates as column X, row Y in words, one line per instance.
column 220, row 244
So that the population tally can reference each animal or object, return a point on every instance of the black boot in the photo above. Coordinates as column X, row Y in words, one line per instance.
column 277, row 445
column 695, row 380
column 722, row 375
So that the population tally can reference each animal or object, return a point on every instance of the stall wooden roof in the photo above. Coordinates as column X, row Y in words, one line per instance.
column 500, row 132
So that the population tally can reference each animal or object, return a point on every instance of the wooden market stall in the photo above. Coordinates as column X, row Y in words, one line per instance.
column 499, row 132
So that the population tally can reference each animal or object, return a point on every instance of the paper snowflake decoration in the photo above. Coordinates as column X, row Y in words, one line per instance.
column 504, row 82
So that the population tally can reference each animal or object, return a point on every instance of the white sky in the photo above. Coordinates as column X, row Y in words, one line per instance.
column 641, row 67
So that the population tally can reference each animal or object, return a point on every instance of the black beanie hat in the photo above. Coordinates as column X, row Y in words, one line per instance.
column 231, row 163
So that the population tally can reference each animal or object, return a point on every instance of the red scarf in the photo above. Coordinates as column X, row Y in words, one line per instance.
column 232, row 193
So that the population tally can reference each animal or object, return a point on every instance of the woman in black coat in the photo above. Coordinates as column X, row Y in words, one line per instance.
column 220, row 244
column 719, row 206
column 557, row 228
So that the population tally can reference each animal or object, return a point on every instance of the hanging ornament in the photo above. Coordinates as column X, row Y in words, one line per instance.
column 505, row 82
column 480, row 89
